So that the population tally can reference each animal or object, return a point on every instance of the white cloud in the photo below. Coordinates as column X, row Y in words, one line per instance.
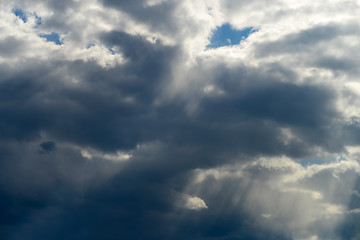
column 119, row 156
column 195, row 203
column 314, row 237
column 356, row 211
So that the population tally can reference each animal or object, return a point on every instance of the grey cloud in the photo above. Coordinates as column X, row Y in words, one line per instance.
column 31, row 183
column 336, row 63
column 53, row 5
column 349, row 229
column 35, row 103
column 47, row 147
column 339, row 65
column 59, row 21
column 285, row 208
column 10, row 46
column 61, row 108
column 283, row 103
column 139, row 201
column 145, row 191
column 160, row 17
column 306, row 39
column 100, row 100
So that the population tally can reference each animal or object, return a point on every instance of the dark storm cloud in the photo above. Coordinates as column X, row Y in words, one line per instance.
column 255, row 105
column 70, row 111
column 33, row 185
column 112, row 109
column 134, row 204
column 140, row 201
column 59, row 194
column 47, row 147
column 283, row 103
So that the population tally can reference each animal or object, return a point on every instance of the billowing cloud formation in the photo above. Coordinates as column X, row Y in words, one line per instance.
column 119, row 122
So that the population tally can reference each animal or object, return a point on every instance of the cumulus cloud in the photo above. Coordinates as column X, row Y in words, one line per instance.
column 195, row 203
column 119, row 122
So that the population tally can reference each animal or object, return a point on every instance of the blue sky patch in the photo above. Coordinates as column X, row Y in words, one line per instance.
column 20, row 14
column 52, row 37
column 320, row 161
column 90, row 45
column 38, row 20
column 112, row 51
column 226, row 35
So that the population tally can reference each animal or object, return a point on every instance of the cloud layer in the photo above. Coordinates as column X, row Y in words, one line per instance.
column 118, row 122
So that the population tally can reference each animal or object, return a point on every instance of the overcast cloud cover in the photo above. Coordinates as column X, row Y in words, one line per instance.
column 118, row 121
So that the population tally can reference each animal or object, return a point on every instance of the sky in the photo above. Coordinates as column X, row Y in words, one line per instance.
column 172, row 120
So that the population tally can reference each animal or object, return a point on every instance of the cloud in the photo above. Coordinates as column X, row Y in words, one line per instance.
column 117, row 122
column 195, row 203
column 261, row 190
column 47, row 147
